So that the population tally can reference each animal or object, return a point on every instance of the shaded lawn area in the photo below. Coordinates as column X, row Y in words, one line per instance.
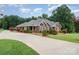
column 13, row 47
column 74, row 37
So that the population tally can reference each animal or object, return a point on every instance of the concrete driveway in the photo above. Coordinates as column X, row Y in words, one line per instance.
column 43, row 45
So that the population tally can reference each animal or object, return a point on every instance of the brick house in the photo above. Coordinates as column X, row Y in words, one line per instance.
column 39, row 25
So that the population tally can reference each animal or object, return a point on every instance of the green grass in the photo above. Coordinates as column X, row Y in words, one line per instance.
column 13, row 47
column 66, row 37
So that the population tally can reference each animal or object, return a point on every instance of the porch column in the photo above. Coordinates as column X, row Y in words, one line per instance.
column 37, row 29
column 27, row 28
column 33, row 29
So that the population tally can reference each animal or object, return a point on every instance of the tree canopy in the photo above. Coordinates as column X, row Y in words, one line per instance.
column 10, row 21
column 63, row 15
column 44, row 16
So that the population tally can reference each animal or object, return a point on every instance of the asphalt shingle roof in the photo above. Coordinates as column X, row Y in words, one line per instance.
column 37, row 23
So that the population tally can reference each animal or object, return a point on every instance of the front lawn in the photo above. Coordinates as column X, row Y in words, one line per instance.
column 13, row 47
column 67, row 37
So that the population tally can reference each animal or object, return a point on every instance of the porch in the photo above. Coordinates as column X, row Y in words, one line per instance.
column 31, row 28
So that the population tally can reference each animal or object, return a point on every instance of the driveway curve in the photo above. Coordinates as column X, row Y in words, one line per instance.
column 43, row 45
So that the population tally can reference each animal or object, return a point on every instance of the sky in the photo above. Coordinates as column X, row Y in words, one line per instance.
column 28, row 10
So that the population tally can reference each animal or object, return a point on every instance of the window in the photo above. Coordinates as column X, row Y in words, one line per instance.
column 41, row 24
column 53, row 27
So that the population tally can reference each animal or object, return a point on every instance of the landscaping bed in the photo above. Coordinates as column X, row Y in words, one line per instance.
column 13, row 47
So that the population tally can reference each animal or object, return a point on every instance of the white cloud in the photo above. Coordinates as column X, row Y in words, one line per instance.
column 49, row 5
column 11, row 5
column 53, row 7
column 31, row 11
column 1, row 5
column 70, row 7
column 37, row 9
column 2, row 10
column 75, row 11
column 15, row 5
column 24, row 10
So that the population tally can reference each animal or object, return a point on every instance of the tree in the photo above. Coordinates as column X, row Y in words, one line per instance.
column 1, row 22
column 28, row 19
column 76, row 22
column 44, row 16
column 11, row 21
column 5, row 23
column 39, row 17
column 34, row 18
column 77, row 26
column 63, row 15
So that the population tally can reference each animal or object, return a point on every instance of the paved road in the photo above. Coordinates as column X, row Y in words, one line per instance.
column 43, row 45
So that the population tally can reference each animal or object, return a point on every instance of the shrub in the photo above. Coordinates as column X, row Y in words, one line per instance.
column 28, row 31
column 64, row 31
column 51, row 31
column 44, row 33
